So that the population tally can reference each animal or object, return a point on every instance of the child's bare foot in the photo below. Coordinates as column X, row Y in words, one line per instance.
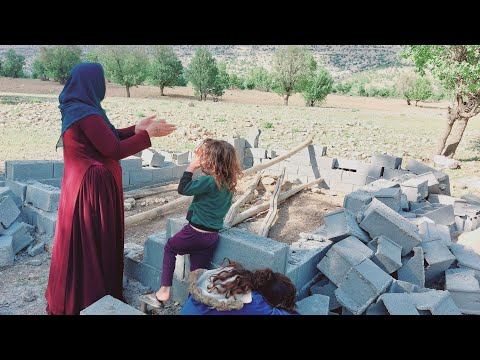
column 163, row 294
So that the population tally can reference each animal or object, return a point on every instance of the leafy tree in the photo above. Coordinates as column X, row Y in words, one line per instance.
column 291, row 65
column 221, row 81
column 59, row 60
column 165, row 69
column 259, row 78
column 13, row 64
column 124, row 65
column 202, row 72
column 236, row 82
column 317, row 87
column 457, row 68
column 38, row 70
column 405, row 85
column 422, row 90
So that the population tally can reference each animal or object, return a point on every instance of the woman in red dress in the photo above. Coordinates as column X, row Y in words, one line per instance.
column 87, row 257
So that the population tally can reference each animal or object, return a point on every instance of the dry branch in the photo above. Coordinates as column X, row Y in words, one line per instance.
column 269, row 220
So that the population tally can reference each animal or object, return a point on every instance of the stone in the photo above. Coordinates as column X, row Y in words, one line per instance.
column 379, row 220
column 108, row 305
column 313, row 305
column 29, row 296
column 8, row 213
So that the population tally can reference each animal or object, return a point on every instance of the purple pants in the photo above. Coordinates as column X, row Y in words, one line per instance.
column 198, row 244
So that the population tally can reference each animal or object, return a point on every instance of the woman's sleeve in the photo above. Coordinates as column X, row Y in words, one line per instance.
column 127, row 132
column 107, row 144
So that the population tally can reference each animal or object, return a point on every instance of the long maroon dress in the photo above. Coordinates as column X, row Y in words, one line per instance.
column 87, row 257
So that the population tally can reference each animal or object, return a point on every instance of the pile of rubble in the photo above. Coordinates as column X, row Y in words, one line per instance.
column 394, row 249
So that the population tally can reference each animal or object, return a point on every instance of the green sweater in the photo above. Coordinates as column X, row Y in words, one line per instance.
column 209, row 205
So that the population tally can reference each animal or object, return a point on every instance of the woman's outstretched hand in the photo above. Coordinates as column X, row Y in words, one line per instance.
column 144, row 123
column 160, row 128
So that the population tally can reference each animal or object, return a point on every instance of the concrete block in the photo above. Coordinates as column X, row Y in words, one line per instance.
column 471, row 199
column 43, row 196
column 432, row 232
column 387, row 161
column 379, row 220
column 247, row 161
column 18, row 188
column 58, row 168
column 376, row 309
column 464, row 208
column 441, row 214
column 371, row 170
column 179, row 291
column 361, row 286
column 432, row 182
column 162, row 174
column 444, row 182
column 144, row 273
column 341, row 187
column 141, row 176
column 2, row 183
column 404, row 202
column 239, row 144
column 415, row 189
column 154, row 248
column 8, row 212
column 394, row 174
column 390, row 197
column 21, row 237
column 29, row 169
column 412, row 270
column 313, row 305
column 302, row 267
column 342, row 257
column 417, row 204
column 125, row 179
column 407, row 215
column 466, row 256
column 346, row 164
column 399, row 286
column 355, row 201
column 257, row 153
column 174, row 225
column 438, row 257
column 181, row 158
column 435, row 302
column 441, row 199
column 325, row 162
column 308, row 171
column 327, row 288
column 470, row 240
column 387, row 255
column 6, row 191
column 152, row 157
column 56, row 183
column 131, row 163
column 419, row 168
column 44, row 221
column 252, row 251
column 251, row 139
column 108, row 305
column 319, row 150
column 36, row 249
column 378, row 185
column 6, row 251
column 398, row 304
column 341, row 224
column 465, row 290
column 354, row 178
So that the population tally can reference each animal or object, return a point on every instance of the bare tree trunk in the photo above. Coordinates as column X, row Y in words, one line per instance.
column 455, row 137
column 161, row 90
column 416, row 102
column 408, row 101
column 285, row 99
column 128, row 91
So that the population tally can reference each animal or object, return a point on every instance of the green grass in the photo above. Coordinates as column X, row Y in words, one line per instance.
column 140, row 115
column 267, row 125
column 221, row 119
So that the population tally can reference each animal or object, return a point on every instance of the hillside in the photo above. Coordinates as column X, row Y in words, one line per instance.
column 342, row 60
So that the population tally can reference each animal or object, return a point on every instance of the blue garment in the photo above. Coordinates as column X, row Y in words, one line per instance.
column 82, row 95
column 258, row 306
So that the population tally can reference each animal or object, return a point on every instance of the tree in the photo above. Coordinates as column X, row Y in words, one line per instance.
column 38, row 70
column 317, row 87
column 405, row 84
column 59, row 60
column 422, row 90
column 221, row 81
column 260, row 79
column 202, row 72
column 13, row 64
column 124, row 65
column 291, row 65
column 165, row 69
column 457, row 68
column 413, row 87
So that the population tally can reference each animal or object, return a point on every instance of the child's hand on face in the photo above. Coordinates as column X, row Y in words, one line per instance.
column 194, row 164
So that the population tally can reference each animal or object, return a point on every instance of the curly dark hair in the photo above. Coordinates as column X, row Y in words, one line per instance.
column 276, row 288
column 219, row 159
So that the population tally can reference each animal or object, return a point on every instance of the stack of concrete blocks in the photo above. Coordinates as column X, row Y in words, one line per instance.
column 40, row 207
column 151, row 157
column 15, row 235
column 252, row 251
